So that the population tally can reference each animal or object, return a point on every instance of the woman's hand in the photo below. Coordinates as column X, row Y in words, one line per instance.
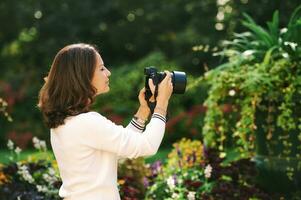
column 143, row 111
column 164, row 92
column 141, row 98
column 165, row 88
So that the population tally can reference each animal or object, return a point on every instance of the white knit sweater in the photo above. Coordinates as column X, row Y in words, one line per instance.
column 88, row 146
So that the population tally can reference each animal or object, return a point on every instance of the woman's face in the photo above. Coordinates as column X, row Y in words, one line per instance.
column 101, row 75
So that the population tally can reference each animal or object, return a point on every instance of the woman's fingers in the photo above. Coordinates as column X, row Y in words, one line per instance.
column 142, row 91
column 167, row 77
column 151, row 85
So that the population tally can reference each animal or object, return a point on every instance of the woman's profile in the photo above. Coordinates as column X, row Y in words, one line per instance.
column 85, row 143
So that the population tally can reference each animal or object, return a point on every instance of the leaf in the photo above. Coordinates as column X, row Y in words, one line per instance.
column 268, row 55
column 261, row 34
column 295, row 16
column 274, row 27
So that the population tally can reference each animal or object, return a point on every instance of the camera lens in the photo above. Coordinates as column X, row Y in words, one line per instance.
column 179, row 82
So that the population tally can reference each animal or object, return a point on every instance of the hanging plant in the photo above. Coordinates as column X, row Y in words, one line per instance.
column 262, row 83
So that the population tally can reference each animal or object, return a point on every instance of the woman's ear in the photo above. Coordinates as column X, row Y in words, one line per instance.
column 45, row 78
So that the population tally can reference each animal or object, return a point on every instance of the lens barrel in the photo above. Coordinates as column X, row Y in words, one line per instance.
column 179, row 82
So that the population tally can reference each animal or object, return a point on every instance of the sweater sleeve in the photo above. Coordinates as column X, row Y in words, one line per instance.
column 135, row 126
column 103, row 134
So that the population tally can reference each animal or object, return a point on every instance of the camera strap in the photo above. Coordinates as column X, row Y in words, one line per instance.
column 150, row 104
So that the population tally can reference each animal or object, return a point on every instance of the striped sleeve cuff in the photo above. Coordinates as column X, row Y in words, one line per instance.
column 137, row 125
column 156, row 115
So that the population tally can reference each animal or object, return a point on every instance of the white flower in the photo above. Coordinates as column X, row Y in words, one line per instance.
column 35, row 140
column 293, row 45
column 175, row 195
column 49, row 178
column 222, row 2
column 23, row 171
column 191, row 195
column 171, row 182
column 10, row 145
column 283, row 30
column 232, row 93
column 285, row 55
column 18, row 150
column 248, row 53
column 42, row 188
column 39, row 144
column 51, row 171
column 43, row 145
column 208, row 171
column 36, row 143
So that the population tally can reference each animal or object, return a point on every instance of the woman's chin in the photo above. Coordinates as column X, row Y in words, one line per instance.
column 107, row 89
column 104, row 91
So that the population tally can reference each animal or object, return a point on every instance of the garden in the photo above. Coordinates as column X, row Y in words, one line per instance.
column 234, row 134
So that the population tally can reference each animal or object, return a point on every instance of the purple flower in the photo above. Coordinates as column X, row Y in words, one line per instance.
column 205, row 152
column 145, row 182
column 156, row 167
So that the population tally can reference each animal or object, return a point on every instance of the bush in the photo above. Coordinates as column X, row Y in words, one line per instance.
column 194, row 172
column 261, row 81
column 30, row 179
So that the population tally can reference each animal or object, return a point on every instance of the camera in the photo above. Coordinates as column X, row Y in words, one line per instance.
column 178, row 78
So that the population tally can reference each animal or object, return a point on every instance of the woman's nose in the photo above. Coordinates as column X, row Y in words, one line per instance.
column 108, row 73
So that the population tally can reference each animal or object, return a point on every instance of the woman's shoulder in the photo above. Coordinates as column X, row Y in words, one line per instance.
column 82, row 120
column 88, row 115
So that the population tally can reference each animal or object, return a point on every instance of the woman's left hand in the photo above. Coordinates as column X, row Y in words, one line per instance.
column 141, row 98
column 143, row 111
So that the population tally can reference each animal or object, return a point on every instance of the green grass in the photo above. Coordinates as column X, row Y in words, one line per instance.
column 160, row 155
column 4, row 155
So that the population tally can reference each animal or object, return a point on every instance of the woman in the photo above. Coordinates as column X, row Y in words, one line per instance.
column 86, row 145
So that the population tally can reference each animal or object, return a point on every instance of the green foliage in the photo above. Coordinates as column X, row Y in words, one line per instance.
column 260, row 75
column 261, row 83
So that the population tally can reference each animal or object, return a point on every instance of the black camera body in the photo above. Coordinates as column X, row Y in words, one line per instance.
column 179, row 81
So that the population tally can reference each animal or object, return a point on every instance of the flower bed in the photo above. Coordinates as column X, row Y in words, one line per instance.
column 190, row 172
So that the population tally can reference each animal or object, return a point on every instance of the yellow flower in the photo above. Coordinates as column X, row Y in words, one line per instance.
column 3, row 178
column 186, row 154
column 121, row 181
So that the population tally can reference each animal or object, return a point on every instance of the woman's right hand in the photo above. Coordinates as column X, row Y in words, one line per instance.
column 165, row 90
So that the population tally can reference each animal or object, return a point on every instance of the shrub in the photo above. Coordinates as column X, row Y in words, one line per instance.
column 261, row 81
column 31, row 179
column 194, row 172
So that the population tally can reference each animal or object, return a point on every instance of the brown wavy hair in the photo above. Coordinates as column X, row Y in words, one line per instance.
column 68, row 90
